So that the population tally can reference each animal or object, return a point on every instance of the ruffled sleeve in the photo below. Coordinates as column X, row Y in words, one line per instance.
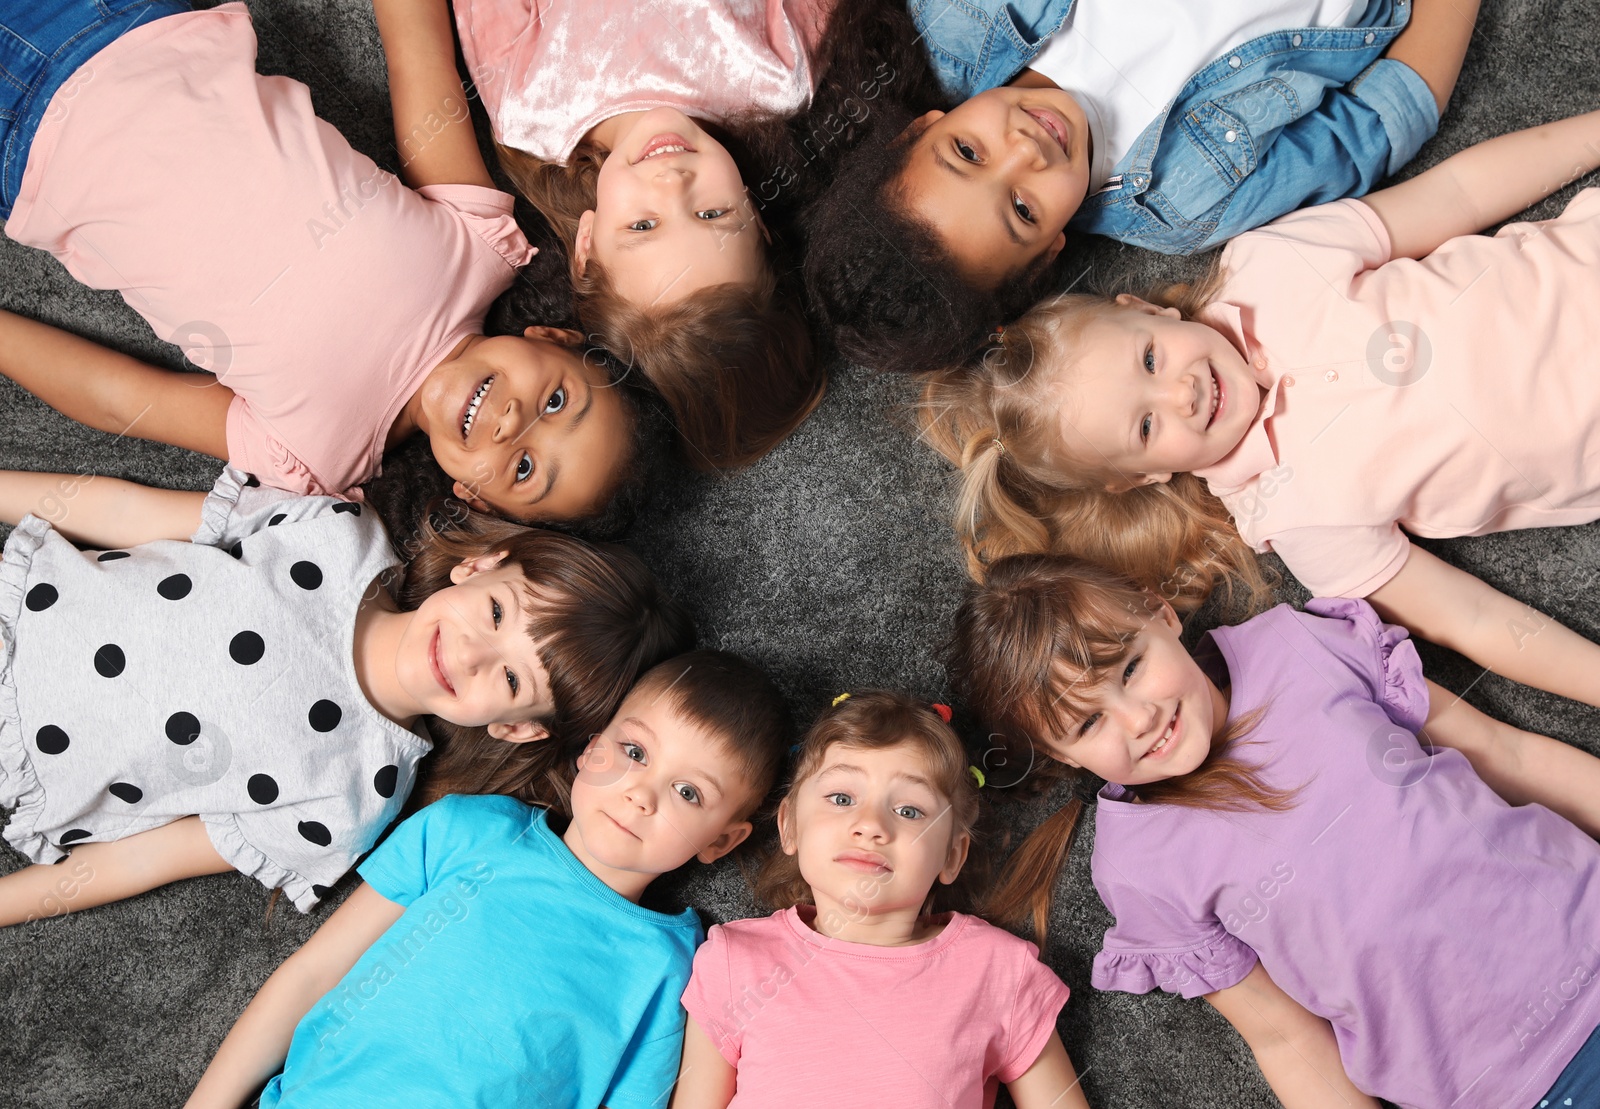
column 1382, row 655
column 1156, row 945
column 487, row 214
column 240, row 504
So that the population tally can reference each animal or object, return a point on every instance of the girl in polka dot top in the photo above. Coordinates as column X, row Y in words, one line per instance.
column 250, row 699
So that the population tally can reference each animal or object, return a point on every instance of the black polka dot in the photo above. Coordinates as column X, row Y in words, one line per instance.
column 263, row 790
column 41, row 597
column 278, row 519
column 109, row 661
column 251, row 481
column 131, row 794
column 175, row 588
column 315, row 833
column 183, row 728
column 246, row 648
column 385, row 780
column 320, row 891
column 51, row 740
column 348, row 506
column 307, row 575
column 237, row 550
column 325, row 716
column 111, row 556
column 75, row 835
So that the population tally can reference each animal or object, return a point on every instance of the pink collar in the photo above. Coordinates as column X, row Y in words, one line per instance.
column 1254, row 453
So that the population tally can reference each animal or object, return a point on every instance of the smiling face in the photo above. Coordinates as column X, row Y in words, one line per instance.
column 871, row 832
column 1149, row 394
column 652, row 792
column 999, row 176
column 466, row 656
column 1152, row 715
column 527, row 427
column 671, row 213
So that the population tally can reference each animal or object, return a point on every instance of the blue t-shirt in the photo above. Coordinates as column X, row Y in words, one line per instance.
column 514, row 977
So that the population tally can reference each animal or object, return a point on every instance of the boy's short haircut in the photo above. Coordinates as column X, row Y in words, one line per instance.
column 737, row 704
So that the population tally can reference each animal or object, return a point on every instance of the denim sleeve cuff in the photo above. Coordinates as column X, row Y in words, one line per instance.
column 1403, row 102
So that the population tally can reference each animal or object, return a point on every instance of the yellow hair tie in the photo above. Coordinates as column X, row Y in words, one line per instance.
column 841, row 699
column 977, row 776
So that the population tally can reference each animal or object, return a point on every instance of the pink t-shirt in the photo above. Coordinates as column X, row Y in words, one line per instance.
column 247, row 231
column 808, row 1020
column 1451, row 395
column 549, row 71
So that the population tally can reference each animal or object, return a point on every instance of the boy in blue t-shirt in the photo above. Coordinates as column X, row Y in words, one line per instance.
column 489, row 960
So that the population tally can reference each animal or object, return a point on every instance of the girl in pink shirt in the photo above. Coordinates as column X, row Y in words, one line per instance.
column 336, row 310
column 1374, row 917
column 1350, row 374
column 854, row 994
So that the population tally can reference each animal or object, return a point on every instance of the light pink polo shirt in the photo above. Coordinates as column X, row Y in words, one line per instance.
column 1452, row 395
column 549, row 71
column 247, row 231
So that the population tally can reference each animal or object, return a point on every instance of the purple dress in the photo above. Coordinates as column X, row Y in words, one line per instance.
column 1452, row 940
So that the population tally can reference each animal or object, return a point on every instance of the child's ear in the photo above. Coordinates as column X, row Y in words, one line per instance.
column 526, row 732
column 1125, row 484
column 732, row 836
column 786, row 838
column 583, row 244
column 1056, row 246
column 471, row 499
column 916, row 127
column 1128, row 300
column 561, row 336
column 469, row 568
column 955, row 858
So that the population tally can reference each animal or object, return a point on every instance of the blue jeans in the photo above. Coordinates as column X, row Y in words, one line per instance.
column 1579, row 1085
column 42, row 44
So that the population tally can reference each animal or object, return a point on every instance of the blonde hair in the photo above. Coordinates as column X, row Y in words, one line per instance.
column 1020, row 492
column 1028, row 642
column 874, row 720
column 733, row 362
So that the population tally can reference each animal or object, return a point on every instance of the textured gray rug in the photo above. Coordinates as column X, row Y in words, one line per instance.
column 829, row 562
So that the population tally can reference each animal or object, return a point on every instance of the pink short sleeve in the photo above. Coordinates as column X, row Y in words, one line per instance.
column 255, row 449
column 709, row 991
column 1337, row 241
column 1040, row 996
column 1352, row 561
column 487, row 213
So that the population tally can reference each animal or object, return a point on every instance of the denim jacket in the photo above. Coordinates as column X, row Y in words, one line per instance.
column 1289, row 119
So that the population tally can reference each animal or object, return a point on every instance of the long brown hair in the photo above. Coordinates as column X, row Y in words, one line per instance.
column 1028, row 643
column 873, row 720
column 733, row 362
column 1019, row 492
column 599, row 619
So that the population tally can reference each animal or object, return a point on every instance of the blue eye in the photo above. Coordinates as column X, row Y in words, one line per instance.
column 524, row 467
column 1133, row 664
column 839, row 799
column 1144, row 430
column 632, row 751
column 688, row 793
column 1090, row 721
column 495, row 611
column 909, row 812
column 1150, row 360
column 511, row 680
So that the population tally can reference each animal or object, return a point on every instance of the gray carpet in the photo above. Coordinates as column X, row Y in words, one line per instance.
column 829, row 562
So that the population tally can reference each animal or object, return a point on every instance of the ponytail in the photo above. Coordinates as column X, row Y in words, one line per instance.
column 1025, row 889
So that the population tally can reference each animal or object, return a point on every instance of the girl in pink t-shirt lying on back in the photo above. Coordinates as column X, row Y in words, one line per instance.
column 338, row 310
column 1352, row 373
column 854, row 994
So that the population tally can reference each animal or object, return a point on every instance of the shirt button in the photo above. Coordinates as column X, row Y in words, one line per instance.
column 1288, row 381
column 1331, row 375
column 1230, row 136
column 1371, row 38
column 1236, row 61
column 1295, row 41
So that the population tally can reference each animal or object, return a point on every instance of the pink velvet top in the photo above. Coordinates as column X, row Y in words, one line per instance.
column 547, row 72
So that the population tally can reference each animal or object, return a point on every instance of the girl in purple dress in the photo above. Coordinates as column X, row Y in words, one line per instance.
column 1375, row 917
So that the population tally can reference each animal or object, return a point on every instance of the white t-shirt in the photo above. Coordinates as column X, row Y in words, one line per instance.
column 1125, row 61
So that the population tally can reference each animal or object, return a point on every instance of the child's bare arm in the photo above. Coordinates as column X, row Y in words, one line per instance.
column 1050, row 1083
column 100, row 511
column 1435, row 42
column 705, row 1079
column 99, row 873
column 1452, row 608
column 259, row 1042
column 112, row 392
column 1486, row 184
column 1522, row 767
column 432, row 123
column 1295, row 1048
